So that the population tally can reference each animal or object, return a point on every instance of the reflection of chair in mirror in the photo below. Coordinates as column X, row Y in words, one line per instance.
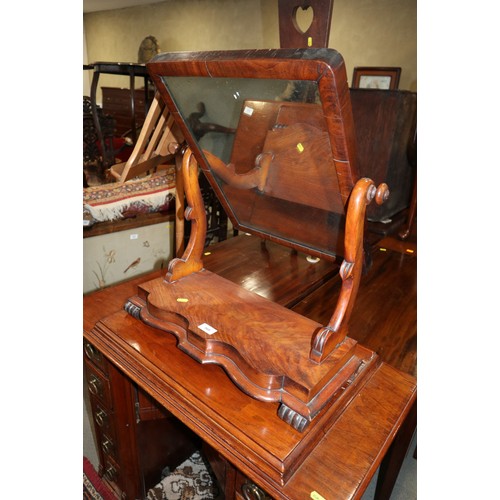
column 288, row 175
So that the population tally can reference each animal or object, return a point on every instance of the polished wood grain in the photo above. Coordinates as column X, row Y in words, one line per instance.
column 191, row 260
column 136, row 438
column 385, row 319
column 268, row 351
column 252, row 387
column 328, row 339
column 327, row 69
column 273, row 271
column 384, row 120
column 264, row 348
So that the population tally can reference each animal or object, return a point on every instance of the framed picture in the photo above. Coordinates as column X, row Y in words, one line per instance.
column 372, row 77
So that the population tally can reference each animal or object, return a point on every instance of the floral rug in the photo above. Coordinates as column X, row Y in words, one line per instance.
column 192, row 480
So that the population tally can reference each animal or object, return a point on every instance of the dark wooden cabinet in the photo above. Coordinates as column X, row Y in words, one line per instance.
column 384, row 121
column 116, row 102
column 136, row 438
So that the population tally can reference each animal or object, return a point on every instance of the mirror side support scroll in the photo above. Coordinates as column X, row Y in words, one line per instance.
column 191, row 260
column 333, row 334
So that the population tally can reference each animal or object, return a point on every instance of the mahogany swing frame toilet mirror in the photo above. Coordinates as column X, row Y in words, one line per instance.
column 284, row 171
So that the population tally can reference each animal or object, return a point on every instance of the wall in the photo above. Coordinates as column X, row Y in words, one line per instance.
column 111, row 258
column 365, row 32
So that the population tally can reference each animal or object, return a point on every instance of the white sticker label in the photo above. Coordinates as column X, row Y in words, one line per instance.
column 207, row 328
column 134, row 236
column 248, row 111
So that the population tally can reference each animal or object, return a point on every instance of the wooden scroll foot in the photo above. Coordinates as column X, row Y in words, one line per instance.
column 132, row 309
column 297, row 421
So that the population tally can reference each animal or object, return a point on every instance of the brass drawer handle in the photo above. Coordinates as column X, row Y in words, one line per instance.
column 95, row 385
column 101, row 417
column 91, row 352
column 110, row 473
column 252, row 492
column 108, row 446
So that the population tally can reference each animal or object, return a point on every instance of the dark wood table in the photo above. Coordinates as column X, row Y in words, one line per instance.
column 132, row 70
column 273, row 271
column 244, row 433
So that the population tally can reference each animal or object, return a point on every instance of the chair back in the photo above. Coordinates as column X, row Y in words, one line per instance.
column 152, row 147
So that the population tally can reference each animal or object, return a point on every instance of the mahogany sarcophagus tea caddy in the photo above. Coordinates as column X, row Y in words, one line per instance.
column 285, row 170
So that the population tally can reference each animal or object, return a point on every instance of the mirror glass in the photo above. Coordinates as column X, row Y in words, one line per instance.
column 267, row 154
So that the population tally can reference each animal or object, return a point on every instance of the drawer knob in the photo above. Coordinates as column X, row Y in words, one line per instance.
column 101, row 417
column 252, row 492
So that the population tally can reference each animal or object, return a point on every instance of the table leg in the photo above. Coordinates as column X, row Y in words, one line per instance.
column 391, row 464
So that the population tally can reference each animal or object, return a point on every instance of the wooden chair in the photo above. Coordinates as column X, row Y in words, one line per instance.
column 156, row 145
column 288, row 174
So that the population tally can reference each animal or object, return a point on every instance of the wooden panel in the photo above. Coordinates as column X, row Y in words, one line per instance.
column 132, row 450
column 293, row 34
column 384, row 120
column 117, row 103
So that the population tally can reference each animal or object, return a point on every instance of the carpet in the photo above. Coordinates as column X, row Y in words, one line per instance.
column 93, row 486
column 192, row 480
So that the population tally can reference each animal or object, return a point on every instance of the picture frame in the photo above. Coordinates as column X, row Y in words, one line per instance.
column 373, row 77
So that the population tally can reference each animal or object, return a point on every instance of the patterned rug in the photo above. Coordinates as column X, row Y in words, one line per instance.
column 93, row 486
column 112, row 201
column 192, row 480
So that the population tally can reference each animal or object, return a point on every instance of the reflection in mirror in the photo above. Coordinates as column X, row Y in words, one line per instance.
column 268, row 150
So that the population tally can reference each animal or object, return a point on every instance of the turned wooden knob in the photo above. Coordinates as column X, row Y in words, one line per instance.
column 382, row 194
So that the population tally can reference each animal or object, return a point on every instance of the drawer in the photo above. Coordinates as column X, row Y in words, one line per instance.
column 108, row 446
column 103, row 419
column 95, row 356
column 111, row 473
column 98, row 385
column 245, row 489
